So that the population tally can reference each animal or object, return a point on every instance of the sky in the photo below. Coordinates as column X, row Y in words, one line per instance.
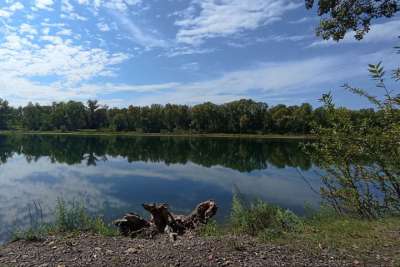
column 141, row 52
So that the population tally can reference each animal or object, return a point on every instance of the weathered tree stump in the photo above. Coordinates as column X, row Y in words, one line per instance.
column 160, row 215
column 162, row 220
column 130, row 223
column 201, row 214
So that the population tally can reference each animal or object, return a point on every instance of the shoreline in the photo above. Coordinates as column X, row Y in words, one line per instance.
column 342, row 242
column 84, row 249
column 186, row 135
column 255, row 236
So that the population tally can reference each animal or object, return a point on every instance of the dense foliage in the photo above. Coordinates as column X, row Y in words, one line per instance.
column 362, row 161
column 243, row 116
column 338, row 17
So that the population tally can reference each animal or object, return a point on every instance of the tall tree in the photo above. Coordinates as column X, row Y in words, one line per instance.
column 341, row 16
column 4, row 114
column 92, row 107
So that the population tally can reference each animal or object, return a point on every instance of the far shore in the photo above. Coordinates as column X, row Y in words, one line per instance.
column 138, row 134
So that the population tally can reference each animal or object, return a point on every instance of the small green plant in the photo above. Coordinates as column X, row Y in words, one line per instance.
column 33, row 234
column 211, row 229
column 98, row 226
column 68, row 219
column 73, row 218
column 262, row 219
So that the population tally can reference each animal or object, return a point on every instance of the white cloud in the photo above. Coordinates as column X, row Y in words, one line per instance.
column 191, row 66
column 303, row 20
column 184, row 50
column 46, row 30
column 245, row 42
column 382, row 32
column 68, row 11
column 16, row 6
column 116, row 4
column 44, row 4
column 52, row 39
column 26, row 28
column 103, row 27
column 9, row 11
column 73, row 16
column 220, row 18
column 66, row 32
column 269, row 79
column 273, row 80
column 66, row 6
column 4, row 13
column 119, row 5
column 22, row 59
column 290, row 38
column 108, row 88
column 136, row 34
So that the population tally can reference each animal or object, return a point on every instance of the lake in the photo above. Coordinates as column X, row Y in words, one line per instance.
column 112, row 175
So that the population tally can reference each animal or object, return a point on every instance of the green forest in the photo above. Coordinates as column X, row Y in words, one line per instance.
column 243, row 116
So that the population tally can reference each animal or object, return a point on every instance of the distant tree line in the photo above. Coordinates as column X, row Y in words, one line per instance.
column 242, row 116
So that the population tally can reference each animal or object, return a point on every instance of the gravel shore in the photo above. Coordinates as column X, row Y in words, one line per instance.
column 188, row 250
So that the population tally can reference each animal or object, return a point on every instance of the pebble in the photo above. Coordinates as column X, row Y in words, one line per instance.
column 131, row 251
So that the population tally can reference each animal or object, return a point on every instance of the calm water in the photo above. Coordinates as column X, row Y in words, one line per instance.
column 113, row 175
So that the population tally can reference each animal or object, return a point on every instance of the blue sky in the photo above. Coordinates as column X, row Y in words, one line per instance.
column 141, row 52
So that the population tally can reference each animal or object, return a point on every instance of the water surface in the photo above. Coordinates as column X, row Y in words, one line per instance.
column 113, row 175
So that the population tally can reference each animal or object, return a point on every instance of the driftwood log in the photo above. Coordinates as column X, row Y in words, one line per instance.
column 162, row 220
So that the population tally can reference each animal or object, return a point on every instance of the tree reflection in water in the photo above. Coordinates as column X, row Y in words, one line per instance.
column 244, row 155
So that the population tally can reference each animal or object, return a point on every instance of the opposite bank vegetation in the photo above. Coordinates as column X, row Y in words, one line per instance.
column 238, row 117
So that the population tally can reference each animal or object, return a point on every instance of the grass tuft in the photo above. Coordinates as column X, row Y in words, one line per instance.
column 212, row 228
column 72, row 218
